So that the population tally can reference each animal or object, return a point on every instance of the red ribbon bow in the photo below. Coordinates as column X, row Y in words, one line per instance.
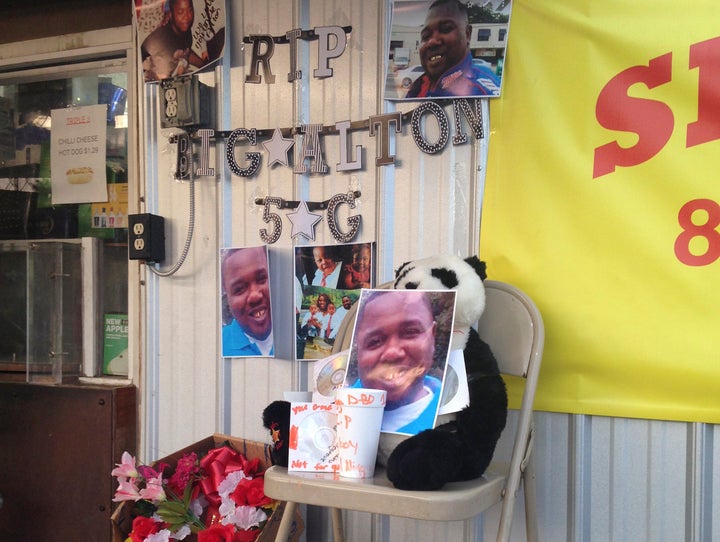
column 217, row 465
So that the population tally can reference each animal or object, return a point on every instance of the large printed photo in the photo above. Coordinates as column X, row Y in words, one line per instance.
column 328, row 280
column 178, row 37
column 400, row 344
column 447, row 48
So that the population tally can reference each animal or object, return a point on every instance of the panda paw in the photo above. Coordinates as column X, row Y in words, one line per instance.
column 426, row 461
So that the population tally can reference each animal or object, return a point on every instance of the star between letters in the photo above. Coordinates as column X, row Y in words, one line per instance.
column 303, row 222
column 277, row 148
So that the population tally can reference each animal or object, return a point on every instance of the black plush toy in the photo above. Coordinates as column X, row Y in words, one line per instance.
column 276, row 419
column 461, row 446
column 459, row 449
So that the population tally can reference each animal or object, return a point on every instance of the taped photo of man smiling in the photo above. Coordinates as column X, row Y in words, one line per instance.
column 247, row 329
column 400, row 344
column 447, row 49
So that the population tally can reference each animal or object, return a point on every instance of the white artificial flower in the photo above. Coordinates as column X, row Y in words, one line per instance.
column 229, row 484
column 162, row 536
column 245, row 517
column 198, row 505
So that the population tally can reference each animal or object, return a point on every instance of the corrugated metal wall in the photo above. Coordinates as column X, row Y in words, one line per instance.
column 599, row 479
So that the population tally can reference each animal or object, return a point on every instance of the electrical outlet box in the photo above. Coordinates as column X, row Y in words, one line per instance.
column 146, row 237
column 186, row 102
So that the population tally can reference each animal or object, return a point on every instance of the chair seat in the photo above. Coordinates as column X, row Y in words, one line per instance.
column 456, row 501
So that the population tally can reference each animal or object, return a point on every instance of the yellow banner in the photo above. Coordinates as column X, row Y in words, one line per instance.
column 602, row 201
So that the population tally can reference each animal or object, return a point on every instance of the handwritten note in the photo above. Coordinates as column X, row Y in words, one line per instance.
column 359, row 418
column 313, row 445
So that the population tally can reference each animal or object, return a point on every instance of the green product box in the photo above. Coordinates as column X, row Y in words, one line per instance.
column 115, row 344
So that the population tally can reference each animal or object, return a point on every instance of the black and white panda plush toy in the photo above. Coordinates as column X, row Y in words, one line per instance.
column 459, row 449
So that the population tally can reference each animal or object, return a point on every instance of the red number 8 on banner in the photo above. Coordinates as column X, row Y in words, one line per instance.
column 708, row 230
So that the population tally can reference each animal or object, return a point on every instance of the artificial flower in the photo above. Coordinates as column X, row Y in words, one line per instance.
column 153, row 490
column 245, row 517
column 143, row 527
column 185, row 472
column 247, row 536
column 182, row 533
column 219, row 497
column 126, row 468
column 160, row 536
column 217, row 533
column 127, row 490
column 149, row 472
column 249, row 492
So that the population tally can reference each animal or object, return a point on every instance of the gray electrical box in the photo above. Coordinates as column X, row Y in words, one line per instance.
column 186, row 103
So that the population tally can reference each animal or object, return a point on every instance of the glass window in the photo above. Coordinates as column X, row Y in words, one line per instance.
column 27, row 212
column 483, row 34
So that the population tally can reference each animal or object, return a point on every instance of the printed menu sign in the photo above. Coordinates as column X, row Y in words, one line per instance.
column 77, row 154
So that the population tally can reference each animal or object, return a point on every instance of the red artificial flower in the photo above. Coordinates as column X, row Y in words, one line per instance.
column 247, row 536
column 186, row 470
column 250, row 492
column 217, row 533
column 250, row 466
column 142, row 527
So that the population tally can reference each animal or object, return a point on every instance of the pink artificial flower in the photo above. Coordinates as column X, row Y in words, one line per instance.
column 149, row 472
column 153, row 490
column 127, row 490
column 126, row 468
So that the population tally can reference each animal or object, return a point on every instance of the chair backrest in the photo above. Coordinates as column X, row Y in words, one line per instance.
column 511, row 324
column 513, row 327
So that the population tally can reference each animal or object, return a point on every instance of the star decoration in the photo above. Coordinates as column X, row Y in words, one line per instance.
column 303, row 222
column 277, row 148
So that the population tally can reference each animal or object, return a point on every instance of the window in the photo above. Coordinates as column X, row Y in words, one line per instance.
column 483, row 34
column 37, row 236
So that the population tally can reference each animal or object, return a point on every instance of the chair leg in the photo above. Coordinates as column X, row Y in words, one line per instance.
column 286, row 522
column 338, row 531
column 530, row 490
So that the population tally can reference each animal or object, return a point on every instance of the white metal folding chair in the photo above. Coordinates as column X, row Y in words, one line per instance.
column 513, row 327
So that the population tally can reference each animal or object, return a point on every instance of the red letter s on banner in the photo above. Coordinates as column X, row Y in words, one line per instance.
column 652, row 120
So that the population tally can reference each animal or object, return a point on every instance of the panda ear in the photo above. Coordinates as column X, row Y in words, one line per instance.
column 478, row 265
column 447, row 276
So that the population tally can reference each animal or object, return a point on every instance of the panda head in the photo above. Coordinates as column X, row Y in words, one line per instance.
column 449, row 272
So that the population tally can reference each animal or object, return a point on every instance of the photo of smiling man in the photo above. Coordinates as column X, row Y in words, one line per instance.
column 247, row 319
column 400, row 345
column 447, row 49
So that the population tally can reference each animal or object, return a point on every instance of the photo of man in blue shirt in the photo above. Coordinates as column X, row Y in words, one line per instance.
column 446, row 57
column 246, row 287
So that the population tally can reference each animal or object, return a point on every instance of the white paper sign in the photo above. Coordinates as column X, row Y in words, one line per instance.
column 77, row 154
